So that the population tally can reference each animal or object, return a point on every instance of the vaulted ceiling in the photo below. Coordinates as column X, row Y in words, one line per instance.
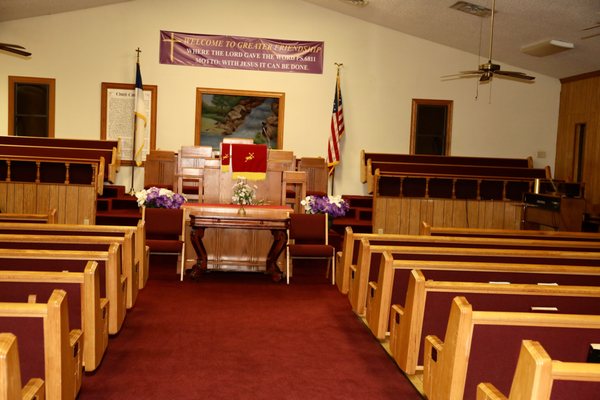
column 517, row 23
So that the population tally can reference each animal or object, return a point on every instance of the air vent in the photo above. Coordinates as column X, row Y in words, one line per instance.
column 472, row 9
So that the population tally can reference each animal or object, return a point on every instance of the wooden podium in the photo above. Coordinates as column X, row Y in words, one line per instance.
column 544, row 211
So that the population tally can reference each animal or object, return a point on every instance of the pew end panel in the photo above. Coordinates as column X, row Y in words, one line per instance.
column 342, row 278
column 10, row 373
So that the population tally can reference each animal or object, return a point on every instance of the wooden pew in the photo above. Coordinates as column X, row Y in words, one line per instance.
column 429, row 230
column 424, row 309
column 539, row 377
column 10, row 373
column 48, row 347
column 113, row 145
column 438, row 159
column 433, row 178
column 482, row 346
column 370, row 253
column 67, row 153
column 47, row 218
column 138, row 237
column 82, row 243
column 113, row 284
column 87, row 311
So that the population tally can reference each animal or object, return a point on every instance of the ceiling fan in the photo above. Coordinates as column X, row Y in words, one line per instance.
column 589, row 29
column 487, row 70
column 14, row 48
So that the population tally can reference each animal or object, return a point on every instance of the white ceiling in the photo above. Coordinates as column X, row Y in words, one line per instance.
column 517, row 23
column 17, row 9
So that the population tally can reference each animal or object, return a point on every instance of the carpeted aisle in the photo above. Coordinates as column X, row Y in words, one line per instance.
column 241, row 336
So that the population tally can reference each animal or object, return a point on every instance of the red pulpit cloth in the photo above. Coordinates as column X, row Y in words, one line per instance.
column 225, row 156
column 248, row 161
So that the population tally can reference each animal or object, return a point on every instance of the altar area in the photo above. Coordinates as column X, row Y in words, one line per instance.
column 217, row 238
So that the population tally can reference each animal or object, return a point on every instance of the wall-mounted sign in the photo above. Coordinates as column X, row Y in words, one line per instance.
column 235, row 52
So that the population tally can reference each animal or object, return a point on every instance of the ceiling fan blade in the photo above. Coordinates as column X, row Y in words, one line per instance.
column 516, row 75
column 12, row 45
column 591, row 27
column 591, row 36
column 16, row 51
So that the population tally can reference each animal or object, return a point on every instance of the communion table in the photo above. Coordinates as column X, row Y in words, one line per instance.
column 223, row 239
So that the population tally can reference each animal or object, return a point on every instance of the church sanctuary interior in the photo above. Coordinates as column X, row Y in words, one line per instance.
column 300, row 199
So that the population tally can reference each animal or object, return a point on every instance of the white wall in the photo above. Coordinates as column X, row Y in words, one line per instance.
column 383, row 70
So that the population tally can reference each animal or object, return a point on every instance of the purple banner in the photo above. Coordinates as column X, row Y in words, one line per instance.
column 234, row 52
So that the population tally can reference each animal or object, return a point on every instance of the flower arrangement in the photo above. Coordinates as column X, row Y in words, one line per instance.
column 159, row 198
column 335, row 206
column 243, row 194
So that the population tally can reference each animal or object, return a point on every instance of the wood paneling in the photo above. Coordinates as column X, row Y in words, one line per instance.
column 580, row 104
column 404, row 215
column 75, row 204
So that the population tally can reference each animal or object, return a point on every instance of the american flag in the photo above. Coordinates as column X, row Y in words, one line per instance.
column 337, row 128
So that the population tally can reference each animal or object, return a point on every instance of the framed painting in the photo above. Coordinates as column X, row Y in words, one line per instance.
column 116, row 117
column 244, row 114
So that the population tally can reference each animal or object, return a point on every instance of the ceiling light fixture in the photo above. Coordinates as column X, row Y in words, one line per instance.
column 546, row 47
column 473, row 9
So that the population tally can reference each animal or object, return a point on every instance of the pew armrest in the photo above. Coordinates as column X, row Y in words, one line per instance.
column 76, row 345
column 433, row 349
column 34, row 390
column 487, row 391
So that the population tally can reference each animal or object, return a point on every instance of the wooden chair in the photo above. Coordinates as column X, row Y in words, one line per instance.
column 159, row 169
column 317, row 175
column 308, row 238
column 190, row 170
column 10, row 373
column 165, row 230
column 293, row 189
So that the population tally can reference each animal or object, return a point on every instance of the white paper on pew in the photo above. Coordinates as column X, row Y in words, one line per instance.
column 533, row 308
column 595, row 346
column 548, row 283
column 500, row 283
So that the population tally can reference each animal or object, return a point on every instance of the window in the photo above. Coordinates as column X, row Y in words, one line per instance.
column 30, row 106
column 431, row 126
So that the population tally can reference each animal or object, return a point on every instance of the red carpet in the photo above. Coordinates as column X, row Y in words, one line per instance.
column 241, row 336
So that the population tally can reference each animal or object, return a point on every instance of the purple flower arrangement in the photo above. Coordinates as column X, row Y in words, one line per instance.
column 159, row 198
column 335, row 206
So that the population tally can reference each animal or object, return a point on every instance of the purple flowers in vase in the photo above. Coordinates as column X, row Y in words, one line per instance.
column 159, row 198
column 335, row 206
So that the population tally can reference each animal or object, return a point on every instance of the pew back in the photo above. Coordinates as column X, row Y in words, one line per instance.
column 424, row 310
column 113, row 284
column 10, row 373
column 87, row 311
column 138, row 237
column 53, row 350
column 539, row 377
column 84, row 243
column 460, row 249
column 474, row 338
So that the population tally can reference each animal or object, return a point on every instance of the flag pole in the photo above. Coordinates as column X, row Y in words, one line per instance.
column 337, row 79
column 133, row 165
